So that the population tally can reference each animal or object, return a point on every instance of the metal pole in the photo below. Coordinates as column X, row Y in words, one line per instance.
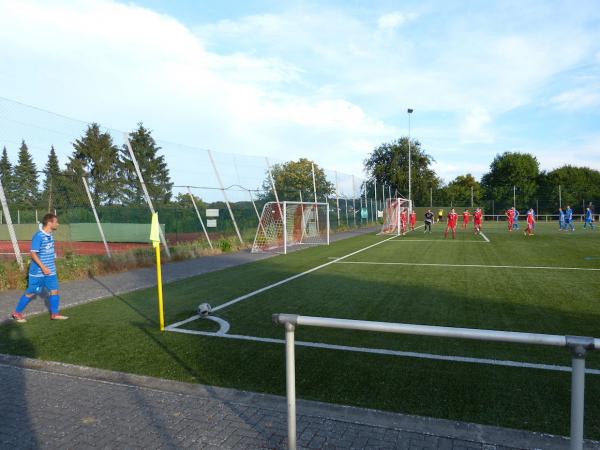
column 327, row 223
column 375, row 195
column 389, row 191
column 431, row 197
column 471, row 196
column 145, row 192
column 514, row 196
column 409, row 159
column 354, row 200
column 577, row 397
column 273, row 185
column 212, row 161
column 300, row 193
column 100, row 229
column 11, row 229
column 337, row 198
column 284, row 219
column 200, row 217
column 346, row 202
column 315, row 192
column 559, row 196
column 290, row 384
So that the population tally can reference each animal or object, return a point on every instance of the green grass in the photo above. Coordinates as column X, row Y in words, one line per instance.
column 120, row 333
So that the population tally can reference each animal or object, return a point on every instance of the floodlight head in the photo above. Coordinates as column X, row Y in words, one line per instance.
column 410, row 110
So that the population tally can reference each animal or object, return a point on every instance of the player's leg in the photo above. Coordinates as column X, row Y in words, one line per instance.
column 54, row 299
column 446, row 232
column 34, row 286
column 454, row 232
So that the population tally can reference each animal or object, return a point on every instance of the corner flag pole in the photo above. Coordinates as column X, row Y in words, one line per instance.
column 155, row 238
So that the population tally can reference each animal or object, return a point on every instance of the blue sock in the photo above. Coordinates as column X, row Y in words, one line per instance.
column 23, row 302
column 54, row 301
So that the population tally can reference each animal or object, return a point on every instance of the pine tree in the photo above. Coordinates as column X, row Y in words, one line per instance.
column 53, row 182
column 96, row 157
column 6, row 175
column 152, row 166
column 25, row 189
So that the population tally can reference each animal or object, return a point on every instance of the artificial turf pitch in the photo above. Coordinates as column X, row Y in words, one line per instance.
column 419, row 278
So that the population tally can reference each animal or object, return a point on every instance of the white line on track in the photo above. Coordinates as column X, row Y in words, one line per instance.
column 381, row 351
column 378, row 263
column 438, row 240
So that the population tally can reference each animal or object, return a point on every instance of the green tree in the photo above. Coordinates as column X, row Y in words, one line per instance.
column 388, row 164
column 577, row 185
column 6, row 175
column 183, row 199
column 25, row 188
column 54, row 183
column 96, row 156
column 508, row 170
column 458, row 191
column 295, row 177
column 152, row 166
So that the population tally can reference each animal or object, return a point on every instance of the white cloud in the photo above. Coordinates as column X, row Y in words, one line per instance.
column 394, row 20
column 576, row 99
column 474, row 128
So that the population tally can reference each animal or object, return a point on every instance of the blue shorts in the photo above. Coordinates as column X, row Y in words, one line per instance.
column 37, row 284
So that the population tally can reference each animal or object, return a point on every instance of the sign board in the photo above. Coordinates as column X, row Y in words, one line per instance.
column 212, row 213
column 211, row 223
column 380, row 214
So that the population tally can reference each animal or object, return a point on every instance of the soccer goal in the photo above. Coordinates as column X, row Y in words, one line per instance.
column 395, row 215
column 286, row 224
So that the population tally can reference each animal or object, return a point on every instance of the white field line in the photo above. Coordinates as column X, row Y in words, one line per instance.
column 381, row 351
column 377, row 263
column 294, row 277
column 439, row 240
column 484, row 236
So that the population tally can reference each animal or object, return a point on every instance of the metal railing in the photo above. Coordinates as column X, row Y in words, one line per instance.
column 578, row 345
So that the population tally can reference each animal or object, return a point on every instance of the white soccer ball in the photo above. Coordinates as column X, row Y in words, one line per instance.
column 204, row 309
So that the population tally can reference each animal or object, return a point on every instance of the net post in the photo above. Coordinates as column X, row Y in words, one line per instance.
column 315, row 192
column 199, row 217
column 260, row 224
column 100, row 229
column 11, row 229
column 145, row 191
column 284, row 219
column 214, row 166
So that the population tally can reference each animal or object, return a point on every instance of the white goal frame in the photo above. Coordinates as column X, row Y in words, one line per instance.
column 391, row 216
column 276, row 236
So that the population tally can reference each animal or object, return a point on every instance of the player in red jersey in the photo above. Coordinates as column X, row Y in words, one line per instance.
column 413, row 220
column 477, row 219
column 510, row 216
column 403, row 221
column 466, row 216
column 451, row 224
column 530, row 223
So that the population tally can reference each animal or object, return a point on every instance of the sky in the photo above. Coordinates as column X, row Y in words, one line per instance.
column 324, row 80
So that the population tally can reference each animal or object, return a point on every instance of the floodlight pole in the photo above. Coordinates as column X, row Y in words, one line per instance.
column 514, row 196
column 559, row 197
column 409, row 111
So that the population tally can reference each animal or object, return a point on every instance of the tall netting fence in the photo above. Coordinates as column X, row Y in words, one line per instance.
column 103, row 183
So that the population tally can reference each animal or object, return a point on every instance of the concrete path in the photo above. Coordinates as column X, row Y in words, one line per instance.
column 47, row 405
column 90, row 289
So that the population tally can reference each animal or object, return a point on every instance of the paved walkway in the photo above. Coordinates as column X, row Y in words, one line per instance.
column 47, row 405
column 90, row 289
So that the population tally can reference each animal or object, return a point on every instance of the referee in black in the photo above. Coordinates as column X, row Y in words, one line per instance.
column 428, row 221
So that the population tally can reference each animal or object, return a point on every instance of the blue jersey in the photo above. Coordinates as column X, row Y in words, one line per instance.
column 42, row 243
column 569, row 213
column 516, row 218
column 561, row 216
column 588, row 215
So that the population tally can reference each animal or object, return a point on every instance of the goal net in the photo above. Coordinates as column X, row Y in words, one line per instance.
column 286, row 224
column 396, row 215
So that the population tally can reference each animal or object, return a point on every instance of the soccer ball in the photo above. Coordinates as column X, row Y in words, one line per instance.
column 204, row 309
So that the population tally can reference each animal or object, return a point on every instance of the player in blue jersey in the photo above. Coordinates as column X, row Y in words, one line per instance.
column 516, row 219
column 589, row 219
column 561, row 220
column 569, row 219
column 42, row 271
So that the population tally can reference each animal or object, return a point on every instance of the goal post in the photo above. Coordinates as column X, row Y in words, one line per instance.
column 396, row 214
column 286, row 224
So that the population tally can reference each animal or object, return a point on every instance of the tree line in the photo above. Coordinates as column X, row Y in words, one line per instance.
column 511, row 174
column 108, row 169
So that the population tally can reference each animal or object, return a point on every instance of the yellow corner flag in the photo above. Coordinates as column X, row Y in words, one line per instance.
column 155, row 238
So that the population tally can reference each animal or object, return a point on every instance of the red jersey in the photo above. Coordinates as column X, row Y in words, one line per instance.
column 530, row 218
column 452, row 218
column 403, row 217
column 466, row 216
column 413, row 218
column 510, row 214
column 477, row 216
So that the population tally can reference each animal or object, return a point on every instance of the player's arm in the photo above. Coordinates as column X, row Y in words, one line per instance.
column 36, row 259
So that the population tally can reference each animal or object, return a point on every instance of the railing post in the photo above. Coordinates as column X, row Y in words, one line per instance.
column 577, row 396
column 290, row 375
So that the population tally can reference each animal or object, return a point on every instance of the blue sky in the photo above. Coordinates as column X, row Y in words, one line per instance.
column 325, row 80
